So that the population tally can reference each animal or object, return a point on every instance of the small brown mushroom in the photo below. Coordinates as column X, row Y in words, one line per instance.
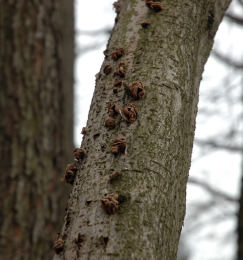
column 117, row 7
column 121, row 70
column 110, row 203
column 59, row 244
column 153, row 5
column 113, row 110
column 78, row 153
column 117, row 54
column 70, row 173
column 117, row 83
column 136, row 89
column 130, row 113
column 110, row 123
column 118, row 145
column 106, row 53
column 83, row 132
column 115, row 90
column 107, row 70
column 145, row 24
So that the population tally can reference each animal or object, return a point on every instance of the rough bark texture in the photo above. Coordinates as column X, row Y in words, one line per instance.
column 240, row 222
column 168, row 57
column 36, row 93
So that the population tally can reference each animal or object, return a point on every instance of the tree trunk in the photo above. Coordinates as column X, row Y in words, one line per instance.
column 168, row 58
column 36, row 95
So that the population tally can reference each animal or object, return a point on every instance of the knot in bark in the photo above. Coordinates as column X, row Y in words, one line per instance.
column 110, row 203
column 118, row 145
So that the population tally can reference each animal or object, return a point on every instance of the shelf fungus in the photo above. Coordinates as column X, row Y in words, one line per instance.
column 121, row 70
column 130, row 113
column 117, row 54
column 153, row 5
column 136, row 89
column 145, row 24
column 110, row 203
column 110, row 123
column 107, row 69
column 83, row 132
column 113, row 110
column 70, row 173
column 78, row 153
column 118, row 145
column 59, row 244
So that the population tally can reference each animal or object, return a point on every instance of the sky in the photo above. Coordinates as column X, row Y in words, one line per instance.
column 213, row 239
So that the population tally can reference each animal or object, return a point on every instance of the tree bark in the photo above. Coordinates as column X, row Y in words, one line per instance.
column 36, row 95
column 168, row 57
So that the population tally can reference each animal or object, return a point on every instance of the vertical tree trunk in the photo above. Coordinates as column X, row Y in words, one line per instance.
column 168, row 58
column 36, row 93
column 240, row 221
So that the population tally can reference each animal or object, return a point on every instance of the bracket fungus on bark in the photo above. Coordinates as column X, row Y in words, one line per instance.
column 145, row 24
column 117, row 54
column 113, row 110
column 70, row 173
column 130, row 113
column 121, row 70
column 110, row 203
column 110, row 123
column 153, row 5
column 59, row 244
column 136, row 89
column 83, row 132
column 118, row 145
column 78, row 153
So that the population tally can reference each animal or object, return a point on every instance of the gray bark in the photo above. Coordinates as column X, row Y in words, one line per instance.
column 168, row 57
column 36, row 123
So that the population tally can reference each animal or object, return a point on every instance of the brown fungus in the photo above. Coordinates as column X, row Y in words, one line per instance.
column 115, row 90
column 113, row 110
column 107, row 70
column 145, row 24
column 153, row 5
column 110, row 203
column 78, row 153
column 106, row 53
column 83, row 132
column 121, row 70
column 130, row 113
column 59, row 244
column 118, row 145
column 117, row 7
column 70, row 172
column 110, row 123
column 117, row 54
column 136, row 89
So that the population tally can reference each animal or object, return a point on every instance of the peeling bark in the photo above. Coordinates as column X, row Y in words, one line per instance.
column 36, row 123
column 168, row 58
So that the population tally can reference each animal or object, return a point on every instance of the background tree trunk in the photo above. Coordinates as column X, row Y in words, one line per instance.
column 168, row 57
column 36, row 111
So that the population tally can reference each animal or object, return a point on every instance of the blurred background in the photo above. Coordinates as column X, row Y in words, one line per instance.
column 214, row 194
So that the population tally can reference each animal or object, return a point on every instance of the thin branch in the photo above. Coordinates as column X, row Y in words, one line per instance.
column 234, row 18
column 228, row 61
column 212, row 190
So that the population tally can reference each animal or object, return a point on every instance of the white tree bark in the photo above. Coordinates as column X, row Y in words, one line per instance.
column 168, row 57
